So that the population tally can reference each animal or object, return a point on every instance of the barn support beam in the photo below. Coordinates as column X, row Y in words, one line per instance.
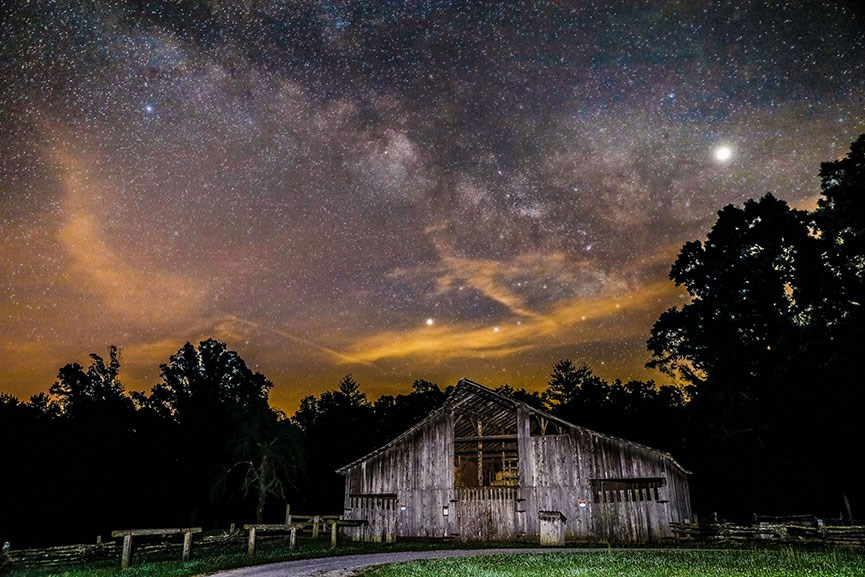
column 481, row 438
column 480, row 453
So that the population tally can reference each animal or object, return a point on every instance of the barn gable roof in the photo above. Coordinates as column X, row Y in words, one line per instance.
column 498, row 412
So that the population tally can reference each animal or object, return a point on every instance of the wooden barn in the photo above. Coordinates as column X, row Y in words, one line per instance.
column 487, row 467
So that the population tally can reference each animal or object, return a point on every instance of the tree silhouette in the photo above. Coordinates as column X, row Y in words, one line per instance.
column 85, row 428
column 271, row 461
column 575, row 393
column 533, row 398
column 770, row 341
column 840, row 222
column 735, row 334
column 835, row 342
column 636, row 410
column 208, row 398
column 96, row 392
column 339, row 427
column 209, row 381
column 840, row 217
column 394, row 415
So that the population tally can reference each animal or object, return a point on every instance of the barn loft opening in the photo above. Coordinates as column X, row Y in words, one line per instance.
column 486, row 452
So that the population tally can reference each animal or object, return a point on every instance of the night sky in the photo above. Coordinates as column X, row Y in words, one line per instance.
column 397, row 190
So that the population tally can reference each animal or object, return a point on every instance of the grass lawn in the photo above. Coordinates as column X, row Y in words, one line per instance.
column 636, row 563
column 588, row 563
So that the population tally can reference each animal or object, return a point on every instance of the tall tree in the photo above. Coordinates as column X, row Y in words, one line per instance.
column 840, row 217
column 339, row 427
column 731, row 339
column 835, row 340
column 575, row 393
column 87, row 428
column 211, row 396
column 840, row 224
column 270, row 460
column 770, row 341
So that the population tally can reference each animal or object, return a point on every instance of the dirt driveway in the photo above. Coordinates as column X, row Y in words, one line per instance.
column 347, row 565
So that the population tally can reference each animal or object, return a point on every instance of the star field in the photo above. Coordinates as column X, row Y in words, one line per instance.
column 399, row 190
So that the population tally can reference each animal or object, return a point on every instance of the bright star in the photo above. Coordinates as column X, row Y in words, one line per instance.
column 429, row 322
column 723, row 153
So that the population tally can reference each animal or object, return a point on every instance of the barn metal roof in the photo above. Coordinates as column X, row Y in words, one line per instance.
column 498, row 414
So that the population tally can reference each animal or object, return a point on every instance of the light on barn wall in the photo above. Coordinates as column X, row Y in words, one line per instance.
column 402, row 508
column 445, row 510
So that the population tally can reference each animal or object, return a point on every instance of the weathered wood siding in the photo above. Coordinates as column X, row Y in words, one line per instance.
column 557, row 471
column 380, row 513
column 679, row 494
column 419, row 470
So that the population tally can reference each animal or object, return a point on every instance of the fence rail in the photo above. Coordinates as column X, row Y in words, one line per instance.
column 71, row 555
column 805, row 533
column 148, row 550
column 62, row 556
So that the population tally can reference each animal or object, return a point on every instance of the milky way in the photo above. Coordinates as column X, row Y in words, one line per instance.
column 396, row 190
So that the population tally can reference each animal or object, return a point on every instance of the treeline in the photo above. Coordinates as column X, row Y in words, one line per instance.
column 768, row 415
column 204, row 447
column 201, row 448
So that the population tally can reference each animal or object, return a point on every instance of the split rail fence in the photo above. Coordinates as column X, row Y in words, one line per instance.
column 295, row 523
column 804, row 531
column 170, row 543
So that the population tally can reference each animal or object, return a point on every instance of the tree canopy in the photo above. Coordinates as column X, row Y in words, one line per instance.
column 96, row 391
column 769, row 338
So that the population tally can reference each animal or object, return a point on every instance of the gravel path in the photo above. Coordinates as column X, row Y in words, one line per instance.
column 347, row 565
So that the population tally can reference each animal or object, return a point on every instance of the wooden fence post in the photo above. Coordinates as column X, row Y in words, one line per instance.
column 292, row 540
column 333, row 535
column 315, row 523
column 288, row 514
column 250, row 545
column 187, row 546
column 128, row 534
column 127, row 551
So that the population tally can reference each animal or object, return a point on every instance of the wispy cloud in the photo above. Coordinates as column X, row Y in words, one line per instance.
column 137, row 293
column 233, row 328
column 574, row 319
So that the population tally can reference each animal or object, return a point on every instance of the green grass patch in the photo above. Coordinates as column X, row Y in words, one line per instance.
column 637, row 563
column 587, row 563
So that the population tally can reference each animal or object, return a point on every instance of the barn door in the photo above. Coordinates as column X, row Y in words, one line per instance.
column 380, row 513
column 485, row 513
column 630, row 510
